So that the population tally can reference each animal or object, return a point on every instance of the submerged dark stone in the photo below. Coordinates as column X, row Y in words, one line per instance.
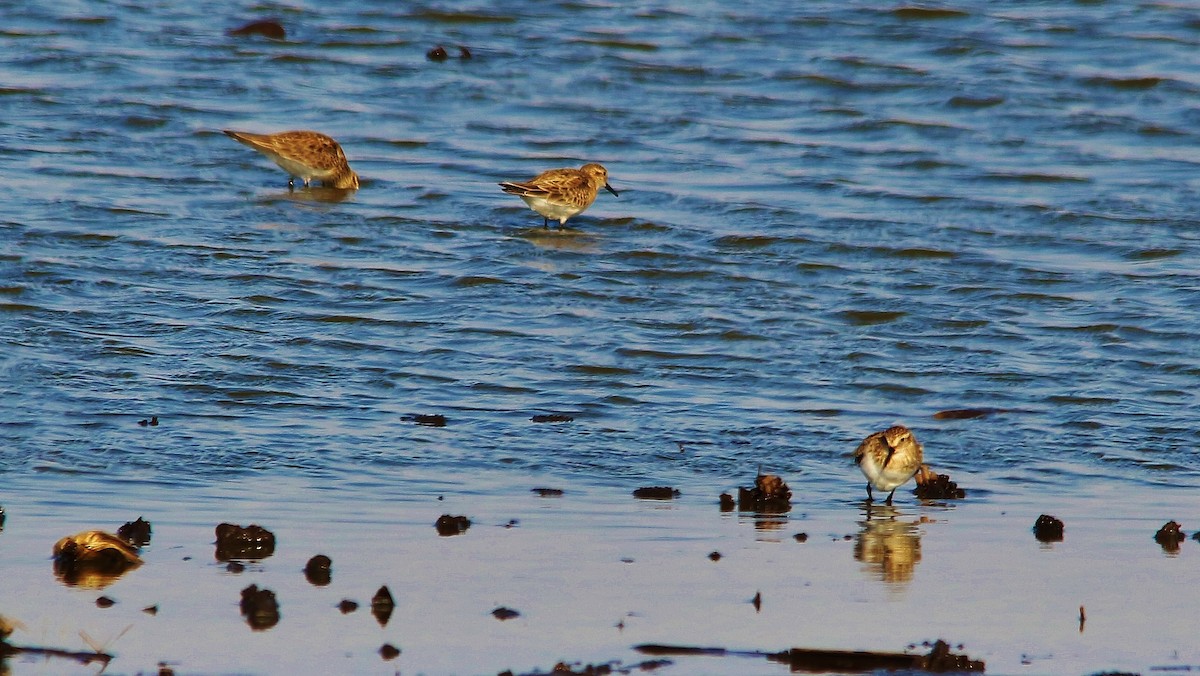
column 656, row 493
column 547, row 492
column 318, row 570
column 503, row 613
column 426, row 419
column 1048, row 529
column 268, row 29
column 389, row 652
column 448, row 525
column 770, row 494
column 259, row 607
column 1170, row 536
column 251, row 542
column 934, row 486
column 136, row 533
column 552, row 418
column 382, row 605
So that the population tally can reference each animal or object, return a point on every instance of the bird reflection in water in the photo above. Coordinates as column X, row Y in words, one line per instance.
column 888, row 546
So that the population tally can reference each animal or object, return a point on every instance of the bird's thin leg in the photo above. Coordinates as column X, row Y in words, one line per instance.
column 870, row 498
column 890, row 495
column 545, row 223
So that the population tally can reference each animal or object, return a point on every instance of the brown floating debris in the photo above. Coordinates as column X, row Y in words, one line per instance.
column 7, row 649
column 267, row 29
column 1169, row 536
column 389, row 652
column 552, row 418
column 448, row 525
column 347, row 606
column 437, row 54
column 966, row 413
column 235, row 567
column 577, row 669
column 259, row 607
column 150, row 610
column 757, row 601
column 656, row 493
column 800, row 537
column 105, row 602
column 429, row 420
column 251, row 542
column 318, row 570
column 136, row 533
column 93, row 559
column 770, row 494
column 152, row 422
column 547, row 492
column 728, row 504
column 934, row 486
column 1082, row 619
column 503, row 613
column 382, row 605
column 714, row 555
column 1048, row 529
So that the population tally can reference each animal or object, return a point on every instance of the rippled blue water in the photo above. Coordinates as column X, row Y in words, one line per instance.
column 833, row 217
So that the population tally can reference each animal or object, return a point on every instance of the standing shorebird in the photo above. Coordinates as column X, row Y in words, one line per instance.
column 888, row 459
column 304, row 154
column 561, row 193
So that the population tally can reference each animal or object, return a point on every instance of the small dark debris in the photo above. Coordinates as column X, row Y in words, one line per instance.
column 429, row 420
column 251, row 542
column 389, row 652
column 1170, row 536
column 512, row 523
column 165, row 670
column 347, row 606
column 235, row 567
column 136, row 533
column 552, row 418
column 1048, row 529
column 757, row 601
column 503, row 613
column 800, row 537
column 105, row 602
column 268, row 29
column 934, row 486
column 437, row 54
column 152, row 422
column 715, row 556
column 448, row 525
column 382, row 605
column 547, row 492
column 463, row 52
column 727, row 502
column 259, row 607
column 150, row 610
column 656, row 493
column 770, row 494
column 318, row 570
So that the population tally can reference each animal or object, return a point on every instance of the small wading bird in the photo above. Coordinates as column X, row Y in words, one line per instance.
column 561, row 193
column 307, row 155
column 888, row 459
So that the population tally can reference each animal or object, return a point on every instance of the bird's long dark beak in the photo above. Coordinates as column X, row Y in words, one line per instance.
column 610, row 189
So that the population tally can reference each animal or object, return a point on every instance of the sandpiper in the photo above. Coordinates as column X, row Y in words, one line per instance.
column 304, row 154
column 888, row 459
column 561, row 193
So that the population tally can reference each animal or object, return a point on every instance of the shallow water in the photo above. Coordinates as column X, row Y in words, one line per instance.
column 832, row 218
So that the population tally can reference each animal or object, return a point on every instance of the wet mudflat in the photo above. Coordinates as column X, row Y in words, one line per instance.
column 589, row 576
